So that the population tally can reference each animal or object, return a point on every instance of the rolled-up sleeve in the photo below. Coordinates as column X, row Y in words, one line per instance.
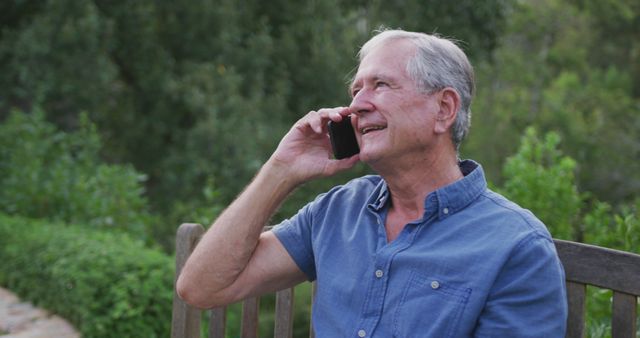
column 295, row 236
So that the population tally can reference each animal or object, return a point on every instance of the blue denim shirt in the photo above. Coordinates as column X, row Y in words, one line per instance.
column 475, row 264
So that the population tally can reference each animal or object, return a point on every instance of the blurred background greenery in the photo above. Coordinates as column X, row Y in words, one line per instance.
column 135, row 116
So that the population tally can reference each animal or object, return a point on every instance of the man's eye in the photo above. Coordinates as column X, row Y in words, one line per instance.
column 381, row 84
column 355, row 92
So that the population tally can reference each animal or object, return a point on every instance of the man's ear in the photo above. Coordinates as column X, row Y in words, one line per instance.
column 449, row 101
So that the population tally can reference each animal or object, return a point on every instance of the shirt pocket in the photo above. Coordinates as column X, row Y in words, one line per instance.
column 430, row 307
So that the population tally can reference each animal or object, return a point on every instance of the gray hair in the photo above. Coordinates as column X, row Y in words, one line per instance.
column 438, row 63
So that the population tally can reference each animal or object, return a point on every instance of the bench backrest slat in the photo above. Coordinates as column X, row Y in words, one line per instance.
column 185, row 320
column 249, row 322
column 623, row 316
column 602, row 267
column 284, row 313
column 218, row 322
column 576, row 298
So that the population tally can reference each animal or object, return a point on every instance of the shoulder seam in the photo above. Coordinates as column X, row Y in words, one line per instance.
column 519, row 212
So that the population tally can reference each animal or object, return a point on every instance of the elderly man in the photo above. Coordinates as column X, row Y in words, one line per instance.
column 423, row 249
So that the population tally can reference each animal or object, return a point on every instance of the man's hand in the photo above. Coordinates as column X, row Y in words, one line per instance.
column 305, row 151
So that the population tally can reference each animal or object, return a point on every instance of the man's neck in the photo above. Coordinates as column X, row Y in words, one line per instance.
column 408, row 187
column 411, row 183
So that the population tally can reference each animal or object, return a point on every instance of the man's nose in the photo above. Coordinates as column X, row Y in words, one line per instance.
column 361, row 103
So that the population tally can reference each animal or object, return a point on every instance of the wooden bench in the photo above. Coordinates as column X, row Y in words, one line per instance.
column 584, row 265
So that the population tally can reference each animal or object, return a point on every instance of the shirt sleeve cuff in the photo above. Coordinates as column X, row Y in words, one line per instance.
column 292, row 241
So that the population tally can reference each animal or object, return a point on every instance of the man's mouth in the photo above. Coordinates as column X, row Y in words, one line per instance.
column 368, row 129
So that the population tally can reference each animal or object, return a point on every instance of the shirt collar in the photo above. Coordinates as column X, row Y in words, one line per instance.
column 379, row 196
column 447, row 200
column 454, row 197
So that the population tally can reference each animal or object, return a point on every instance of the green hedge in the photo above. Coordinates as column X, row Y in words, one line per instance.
column 107, row 284
column 57, row 175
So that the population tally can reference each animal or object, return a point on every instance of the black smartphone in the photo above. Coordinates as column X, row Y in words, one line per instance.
column 343, row 138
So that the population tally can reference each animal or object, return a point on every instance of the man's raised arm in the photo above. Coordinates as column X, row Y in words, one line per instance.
column 234, row 259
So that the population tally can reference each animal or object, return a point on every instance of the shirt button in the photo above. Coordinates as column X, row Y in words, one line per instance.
column 379, row 273
column 435, row 285
column 362, row 333
column 445, row 211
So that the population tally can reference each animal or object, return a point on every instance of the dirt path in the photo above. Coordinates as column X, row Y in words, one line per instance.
column 22, row 320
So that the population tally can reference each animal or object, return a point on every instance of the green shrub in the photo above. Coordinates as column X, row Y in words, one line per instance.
column 540, row 178
column 617, row 228
column 107, row 284
column 47, row 173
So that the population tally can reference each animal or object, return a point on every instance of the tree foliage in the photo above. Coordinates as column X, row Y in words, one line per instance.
column 198, row 94
column 556, row 69
column 47, row 173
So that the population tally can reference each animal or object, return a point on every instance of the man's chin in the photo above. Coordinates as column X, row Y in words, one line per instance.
column 370, row 156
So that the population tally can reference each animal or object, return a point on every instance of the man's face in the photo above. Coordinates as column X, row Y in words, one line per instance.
column 394, row 118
